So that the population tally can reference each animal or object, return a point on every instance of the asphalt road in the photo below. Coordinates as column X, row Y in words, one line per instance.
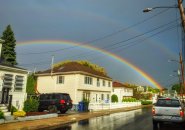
column 140, row 119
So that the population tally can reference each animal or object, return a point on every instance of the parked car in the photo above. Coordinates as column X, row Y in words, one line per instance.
column 54, row 102
column 168, row 110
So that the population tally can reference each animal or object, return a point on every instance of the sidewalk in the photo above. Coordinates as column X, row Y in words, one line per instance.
column 61, row 120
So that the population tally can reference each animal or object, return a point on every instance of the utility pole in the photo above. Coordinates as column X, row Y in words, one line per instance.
column 181, row 10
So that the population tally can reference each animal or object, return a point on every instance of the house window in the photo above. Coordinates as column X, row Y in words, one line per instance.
column 109, row 84
column 108, row 97
column 7, row 81
column 60, row 80
column 103, row 82
column 98, row 82
column 102, row 96
column 19, row 82
column 88, row 80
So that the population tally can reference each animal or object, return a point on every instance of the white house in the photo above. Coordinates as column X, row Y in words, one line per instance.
column 140, row 89
column 12, row 82
column 122, row 90
column 80, row 81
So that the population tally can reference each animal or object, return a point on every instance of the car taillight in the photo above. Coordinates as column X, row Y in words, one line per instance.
column 153, row 111
column 181, row 113
column 62, row 101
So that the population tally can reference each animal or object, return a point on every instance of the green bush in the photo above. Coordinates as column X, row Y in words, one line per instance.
column 1, row 115
column 145, row 102
column 129, row 100
column 114, row 98
column 31, row 105
column 13, row 109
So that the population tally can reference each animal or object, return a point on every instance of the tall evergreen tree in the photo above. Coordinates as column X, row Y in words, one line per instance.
column 8, row 47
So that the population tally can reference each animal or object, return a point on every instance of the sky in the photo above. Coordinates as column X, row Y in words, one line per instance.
column 145, row 40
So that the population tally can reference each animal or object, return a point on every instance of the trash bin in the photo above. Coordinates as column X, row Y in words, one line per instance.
column 81, row 106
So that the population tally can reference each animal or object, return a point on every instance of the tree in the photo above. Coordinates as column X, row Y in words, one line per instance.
column 30, row 87
column 8, row 47
column 176, row 87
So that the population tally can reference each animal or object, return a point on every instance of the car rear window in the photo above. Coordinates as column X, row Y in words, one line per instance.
column 168, row 103
column 66, row 97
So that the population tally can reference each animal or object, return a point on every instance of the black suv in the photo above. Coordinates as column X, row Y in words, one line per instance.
column 54, row 102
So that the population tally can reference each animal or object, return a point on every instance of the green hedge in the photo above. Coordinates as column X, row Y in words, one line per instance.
column 129, row 100
column 31, row 105
column 145, row 102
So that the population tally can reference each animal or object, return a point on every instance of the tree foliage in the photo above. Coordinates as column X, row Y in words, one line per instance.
column 8, row 47
column 30, row 87
column 176, row 87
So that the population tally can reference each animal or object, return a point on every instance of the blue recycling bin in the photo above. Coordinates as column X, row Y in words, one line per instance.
column 81, row 106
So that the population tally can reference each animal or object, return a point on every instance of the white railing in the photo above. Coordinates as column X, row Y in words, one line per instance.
column 104, row 106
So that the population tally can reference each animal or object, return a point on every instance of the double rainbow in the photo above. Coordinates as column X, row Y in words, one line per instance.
column 114, row 56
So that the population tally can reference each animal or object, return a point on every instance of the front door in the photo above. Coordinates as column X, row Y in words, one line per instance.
column 5, row 95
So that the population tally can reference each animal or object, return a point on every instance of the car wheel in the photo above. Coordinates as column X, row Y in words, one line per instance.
column 155, row 123
column 52, row 109
column 40, row 110
column 63, row 111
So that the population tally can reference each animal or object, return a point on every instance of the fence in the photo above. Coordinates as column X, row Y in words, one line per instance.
column 104, row 106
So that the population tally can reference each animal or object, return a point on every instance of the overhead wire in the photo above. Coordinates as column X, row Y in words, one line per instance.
column 100, row 38
column 125, row 45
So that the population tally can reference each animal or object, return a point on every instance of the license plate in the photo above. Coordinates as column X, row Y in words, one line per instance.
column 166, row 117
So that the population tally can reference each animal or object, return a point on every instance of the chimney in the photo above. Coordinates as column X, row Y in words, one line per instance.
column 1, row 42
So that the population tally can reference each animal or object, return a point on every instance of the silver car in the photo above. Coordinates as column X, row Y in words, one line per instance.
column 168, row 110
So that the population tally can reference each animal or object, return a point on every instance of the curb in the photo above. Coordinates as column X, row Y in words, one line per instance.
column 56, row 122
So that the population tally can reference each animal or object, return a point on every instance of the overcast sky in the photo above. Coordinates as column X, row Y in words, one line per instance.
column 146, row 40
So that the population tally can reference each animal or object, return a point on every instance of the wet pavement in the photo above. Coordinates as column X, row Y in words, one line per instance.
column 140, row 119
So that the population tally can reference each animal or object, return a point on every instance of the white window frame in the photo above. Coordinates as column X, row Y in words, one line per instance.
column 88, row 80
column 60, row 81
column 103, row 83
column 98, row 82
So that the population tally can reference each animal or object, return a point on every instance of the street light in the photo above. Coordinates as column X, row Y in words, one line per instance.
column 150, row 9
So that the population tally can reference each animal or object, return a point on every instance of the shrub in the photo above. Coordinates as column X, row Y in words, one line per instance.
column 129, row 100
column 114, row 98
column 31, row 105
column 145, row 102
column 1, row 115
column 13, row 109
column 19, row 114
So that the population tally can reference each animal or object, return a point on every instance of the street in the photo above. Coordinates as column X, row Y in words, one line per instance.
column 140, row 119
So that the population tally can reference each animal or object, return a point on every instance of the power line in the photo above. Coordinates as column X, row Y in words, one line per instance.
column 124, row 45
column 98, row 39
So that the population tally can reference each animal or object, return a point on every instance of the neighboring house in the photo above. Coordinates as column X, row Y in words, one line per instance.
column 140, row 89
column 13, row 82
column 122, row 90
column 80, row 81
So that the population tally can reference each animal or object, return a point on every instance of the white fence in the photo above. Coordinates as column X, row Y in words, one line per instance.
column 106, row 106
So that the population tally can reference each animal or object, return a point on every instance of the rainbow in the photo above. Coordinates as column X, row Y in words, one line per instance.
column 114, row 56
